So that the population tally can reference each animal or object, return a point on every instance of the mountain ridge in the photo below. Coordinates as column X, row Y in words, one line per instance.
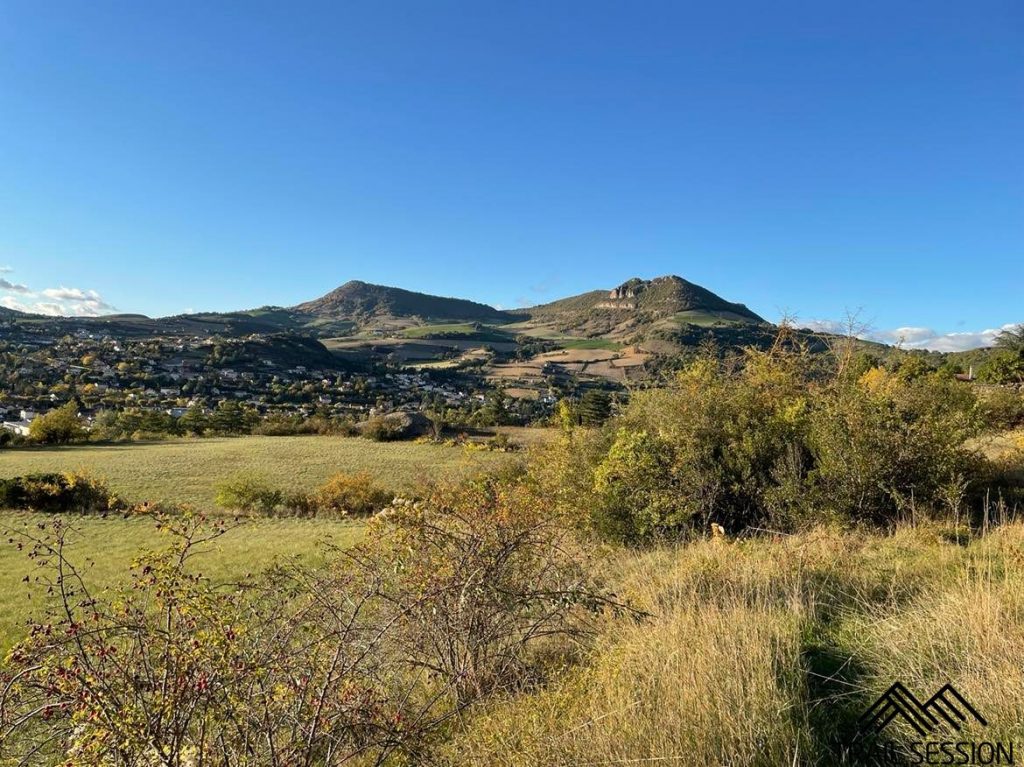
column 357, row 300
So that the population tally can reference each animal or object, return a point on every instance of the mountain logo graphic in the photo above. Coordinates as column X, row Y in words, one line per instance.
column 946, row 708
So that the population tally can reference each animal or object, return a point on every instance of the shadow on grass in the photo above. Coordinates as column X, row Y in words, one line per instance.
column 837, row 699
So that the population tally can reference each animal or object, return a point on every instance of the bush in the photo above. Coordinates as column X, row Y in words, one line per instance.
column 766, row 441
column 67, row 492
column 248, row 492
column 345, row 494
column 300, row 504
column 715, row 446
column 250, row 675
column 885, row 448
column 58, row 427
column 358, row 661
column 384, row 428
column 287, row 425
column 501, row 443
column 475, row 576
column 1002, row 407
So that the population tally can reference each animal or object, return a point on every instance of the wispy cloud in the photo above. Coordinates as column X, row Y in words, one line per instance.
column 54, row 302
column 13, row 286
column 913, row 337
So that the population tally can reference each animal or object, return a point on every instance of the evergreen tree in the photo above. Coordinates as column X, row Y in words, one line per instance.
column 595, row 407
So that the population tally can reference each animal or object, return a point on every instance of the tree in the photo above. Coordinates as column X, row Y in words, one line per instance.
column 228, row 417
column 1004, row 366
column 595, row 407
column 194, row 420
column 1012, row 338
column 437, row 414
column 494, row 411
column 58, row 427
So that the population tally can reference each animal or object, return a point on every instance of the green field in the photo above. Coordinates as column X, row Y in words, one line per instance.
column 459, row 330
column 113, row 542
column 588, row 343
column 188, row 471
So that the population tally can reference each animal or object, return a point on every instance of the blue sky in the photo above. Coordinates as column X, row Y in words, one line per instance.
column 809, row 157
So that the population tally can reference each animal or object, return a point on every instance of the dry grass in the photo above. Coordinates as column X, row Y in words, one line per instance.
column 765, row 652
column 968, row 631
column 1000, row 445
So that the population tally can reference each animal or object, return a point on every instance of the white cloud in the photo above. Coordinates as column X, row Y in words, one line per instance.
column 62, row 301
column 824, row 326
column 70, row 294
column 912, row 337
column 925, row 338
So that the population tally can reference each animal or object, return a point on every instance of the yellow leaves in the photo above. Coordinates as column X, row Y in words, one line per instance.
column 876, row 381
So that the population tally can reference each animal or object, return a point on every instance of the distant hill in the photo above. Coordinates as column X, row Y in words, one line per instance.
column 637, row 306
column 361, row 302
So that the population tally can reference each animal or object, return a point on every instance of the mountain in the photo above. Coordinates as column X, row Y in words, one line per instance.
column 638, row 306
column 362, row 302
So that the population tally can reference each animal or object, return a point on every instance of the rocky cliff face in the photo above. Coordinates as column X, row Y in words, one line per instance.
column 631, row 288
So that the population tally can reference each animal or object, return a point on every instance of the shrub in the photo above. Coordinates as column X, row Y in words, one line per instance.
column 355, row 662
column 345, row 494
column 501, row 443
column 286, row 425
column 67, row 492
column 287, row 669
column 248, row 492
column 885, row 447
column 475, row 576
column 300, row 504
column 1002, row 407
column 767, row 441
column 714, row 446
column 381, row 428
column 639, row 493
column 58, row 427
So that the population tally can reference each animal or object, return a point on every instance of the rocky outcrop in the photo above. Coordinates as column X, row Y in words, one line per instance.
column 629, row 289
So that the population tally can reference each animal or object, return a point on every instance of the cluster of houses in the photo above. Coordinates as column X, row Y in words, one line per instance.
column 17, row 422
column 173, row 374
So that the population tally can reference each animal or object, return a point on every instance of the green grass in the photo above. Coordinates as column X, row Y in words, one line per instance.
column 707, row 319
column 461, row 328
column 588, row 343
column 188, row 471
column 457, row 331
column 113, row 542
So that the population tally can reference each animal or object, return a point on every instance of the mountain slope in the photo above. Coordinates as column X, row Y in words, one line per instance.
column 637, row 306
column 361, row 302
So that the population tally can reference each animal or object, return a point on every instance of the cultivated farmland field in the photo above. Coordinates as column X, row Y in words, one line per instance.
column 188, row 471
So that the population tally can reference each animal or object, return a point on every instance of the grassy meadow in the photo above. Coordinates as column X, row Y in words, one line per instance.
column 112, row 542
column 188, row 471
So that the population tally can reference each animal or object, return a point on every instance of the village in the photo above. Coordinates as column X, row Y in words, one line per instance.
column 169, row 378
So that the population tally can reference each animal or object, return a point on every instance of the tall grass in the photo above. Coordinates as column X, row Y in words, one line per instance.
column 765, row 652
